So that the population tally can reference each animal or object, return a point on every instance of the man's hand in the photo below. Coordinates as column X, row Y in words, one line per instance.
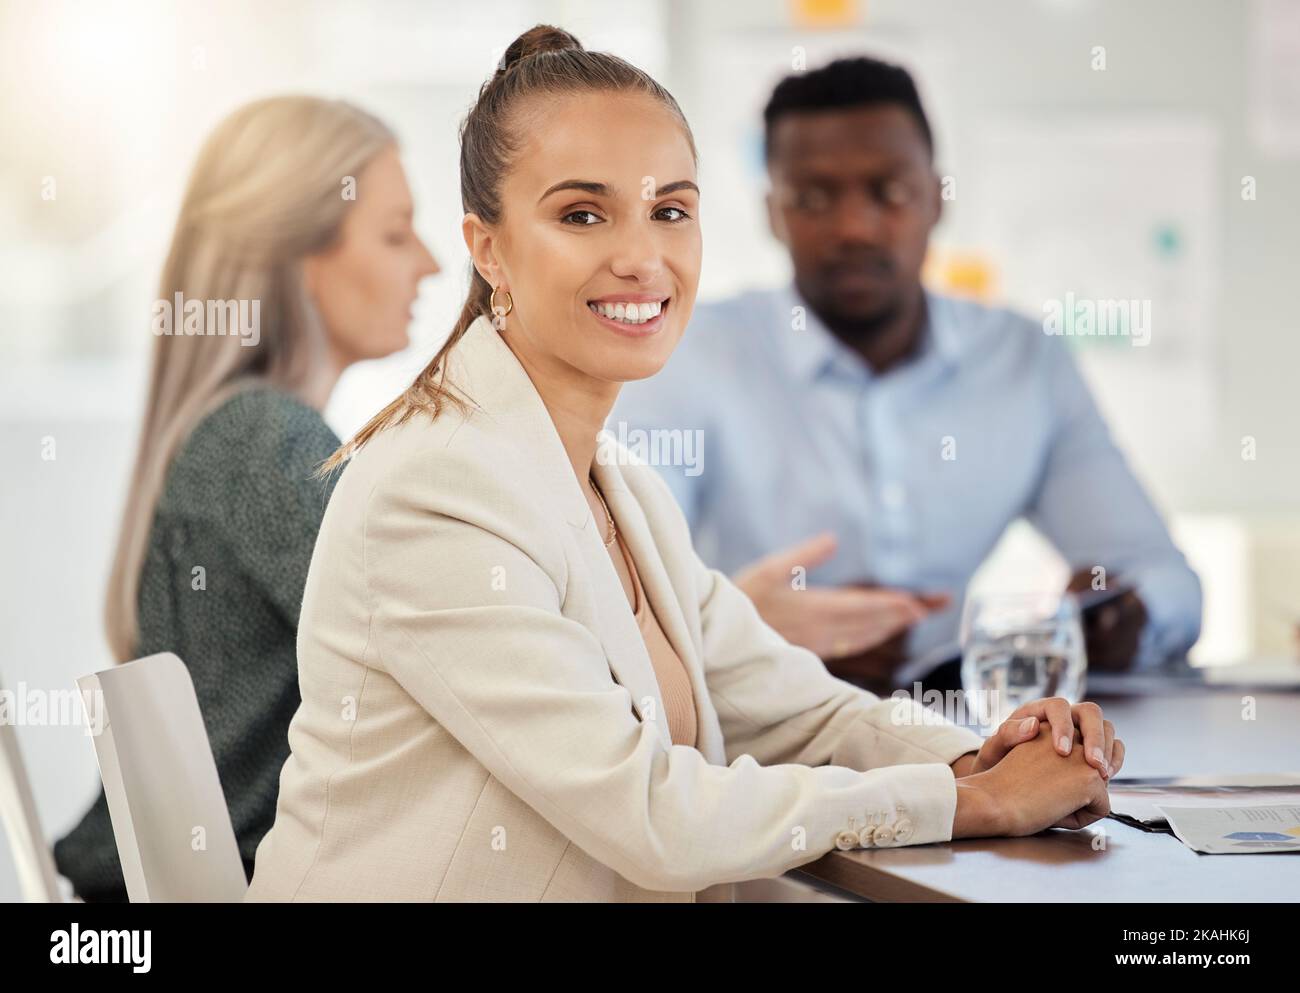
column 1111, row 633
column 836, row 623
column 873, row 668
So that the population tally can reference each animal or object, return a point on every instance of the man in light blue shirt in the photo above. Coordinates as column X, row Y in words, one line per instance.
column 912, row 427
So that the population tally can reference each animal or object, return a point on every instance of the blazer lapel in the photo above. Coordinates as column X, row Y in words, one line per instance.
column 661, row 594
column 485, row 372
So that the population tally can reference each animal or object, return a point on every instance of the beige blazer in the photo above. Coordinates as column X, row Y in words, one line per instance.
column 480, row 719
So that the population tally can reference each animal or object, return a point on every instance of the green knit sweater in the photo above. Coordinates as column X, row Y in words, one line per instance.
column 222, row 587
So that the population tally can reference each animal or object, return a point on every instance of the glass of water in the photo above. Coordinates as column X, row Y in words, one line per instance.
column 1017, row 648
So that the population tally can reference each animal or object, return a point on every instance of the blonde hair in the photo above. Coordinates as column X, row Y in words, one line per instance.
column 542, row 61
column 267, row 189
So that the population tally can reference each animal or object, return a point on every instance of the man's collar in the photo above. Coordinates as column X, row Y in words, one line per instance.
column 812, row 349
column 942, row 333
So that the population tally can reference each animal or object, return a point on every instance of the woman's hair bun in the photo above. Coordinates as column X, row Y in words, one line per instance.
column 534, row 41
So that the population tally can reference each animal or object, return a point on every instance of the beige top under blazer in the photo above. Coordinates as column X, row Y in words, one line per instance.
column 480, row 719
column 671, row 674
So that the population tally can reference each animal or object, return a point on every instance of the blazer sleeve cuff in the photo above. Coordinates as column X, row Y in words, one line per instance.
column 924, row 804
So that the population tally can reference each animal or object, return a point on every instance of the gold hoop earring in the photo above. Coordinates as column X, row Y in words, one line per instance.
column 498, row 312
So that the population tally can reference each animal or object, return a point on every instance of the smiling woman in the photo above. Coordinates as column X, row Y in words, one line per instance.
column 552, row 246
column 629, row 235
column 519, row 682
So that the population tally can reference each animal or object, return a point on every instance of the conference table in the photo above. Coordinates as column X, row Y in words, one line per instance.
column 1169, row 728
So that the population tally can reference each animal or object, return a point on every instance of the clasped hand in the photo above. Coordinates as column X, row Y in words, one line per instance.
column 1065, row 724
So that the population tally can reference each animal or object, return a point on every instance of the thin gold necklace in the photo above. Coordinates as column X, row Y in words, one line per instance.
column 609, row 518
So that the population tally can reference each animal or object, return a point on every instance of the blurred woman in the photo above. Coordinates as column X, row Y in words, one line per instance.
column 552, row 697
column 294, row 256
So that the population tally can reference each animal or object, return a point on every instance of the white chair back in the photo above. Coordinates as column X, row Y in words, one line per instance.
column 170, row 818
